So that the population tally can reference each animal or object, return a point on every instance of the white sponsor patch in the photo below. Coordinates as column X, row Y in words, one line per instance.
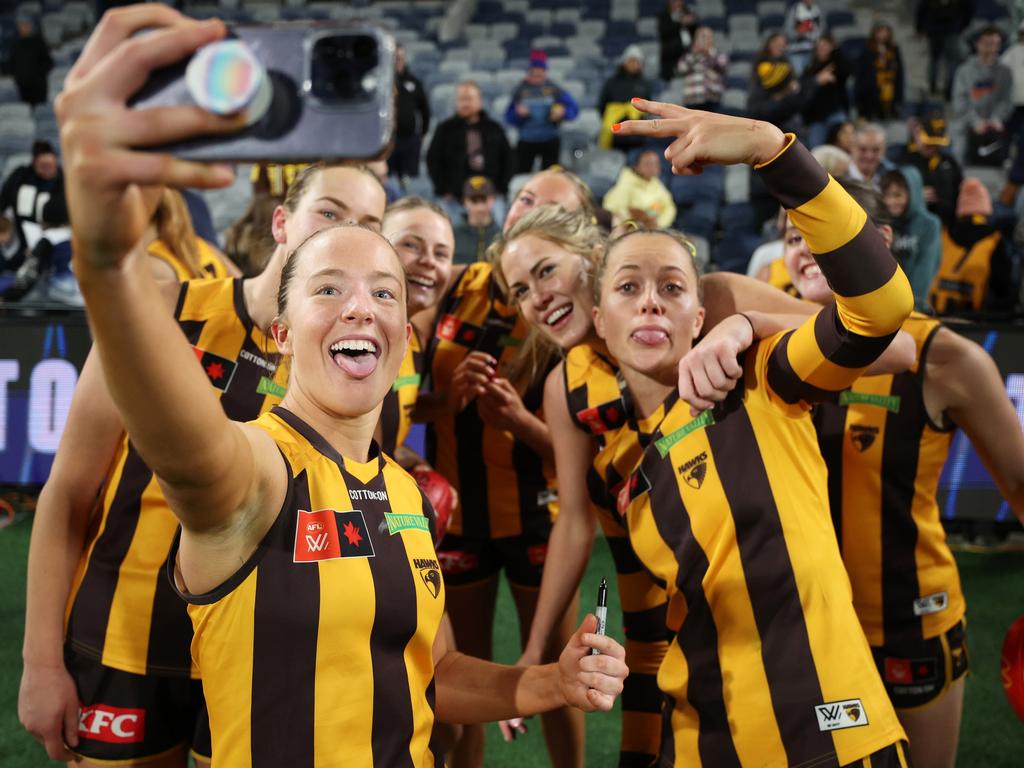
column 931, row 604
column 837, row 715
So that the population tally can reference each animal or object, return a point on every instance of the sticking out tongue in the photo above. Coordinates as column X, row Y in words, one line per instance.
column 358, row 365
column 650, row 336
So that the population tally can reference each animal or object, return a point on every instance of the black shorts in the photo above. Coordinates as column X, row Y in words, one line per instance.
column 894, row 756
column 124, row 717
column 917, row 673
column 471, row 560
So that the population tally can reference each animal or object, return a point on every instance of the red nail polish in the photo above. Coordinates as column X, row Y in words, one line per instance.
column 616, row 127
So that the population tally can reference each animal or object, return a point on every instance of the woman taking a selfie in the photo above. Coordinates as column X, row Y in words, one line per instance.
column 304, row 553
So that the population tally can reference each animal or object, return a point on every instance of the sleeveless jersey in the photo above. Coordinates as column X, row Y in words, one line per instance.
column 768, row 664
column 209, row 261
column 318, row 651
column 884, row 457
column 963, row 275
column 505, row 488
column 121, row 610
column 396, row 413
column 601, row 408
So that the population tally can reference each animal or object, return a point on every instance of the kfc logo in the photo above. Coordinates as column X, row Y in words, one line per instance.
column 112, row 725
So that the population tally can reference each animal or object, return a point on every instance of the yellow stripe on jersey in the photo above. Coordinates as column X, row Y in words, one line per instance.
column 209, row 261
column 121, row 609
column 318, row 651
column 827, row 221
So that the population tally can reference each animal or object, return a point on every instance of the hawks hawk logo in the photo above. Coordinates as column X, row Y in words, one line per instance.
column 430, row 573
column 695, row 470
column 852, row 711
column 863, row 437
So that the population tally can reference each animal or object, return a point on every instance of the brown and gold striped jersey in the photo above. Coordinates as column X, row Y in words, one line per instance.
column 769, row 665
column 121, row 609
column 884, row 456
column 505, row 488
column 318, row 651
column 209, row 261
column 599, row 405
column 396, row 413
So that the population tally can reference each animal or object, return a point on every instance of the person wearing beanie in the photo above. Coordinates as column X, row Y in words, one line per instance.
column 940, row 172
column 614, row 105
column 537, row 108
column 804, row 24
column 640, row 195
column 703, row 72
column 975, row 271
column 475, row 228
column 916, row 240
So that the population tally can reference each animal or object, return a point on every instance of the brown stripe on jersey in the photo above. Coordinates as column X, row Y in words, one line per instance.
column 646, row 626
column 169, row 637
column 900, row 454
column 389, row 419
column 286, row 619
column 697, row 636
column 635, row 760
column 469, row 430
column 241, row 400
column 180, row 304
column 640, row 693
column 598, row 491
column 87, row 625
column 529, row 468
column 860, row 266
column 830, row 426
column 794, row 177
column 841, row 346
column 771, row 584
column 396, row 616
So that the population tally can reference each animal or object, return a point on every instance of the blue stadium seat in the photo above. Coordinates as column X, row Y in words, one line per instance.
column 732, row 253
column 840, row 18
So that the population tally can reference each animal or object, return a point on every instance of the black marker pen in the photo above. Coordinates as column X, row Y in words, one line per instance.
column 601, row 612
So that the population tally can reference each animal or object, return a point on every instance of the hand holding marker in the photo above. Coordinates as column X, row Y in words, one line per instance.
column 601, row 611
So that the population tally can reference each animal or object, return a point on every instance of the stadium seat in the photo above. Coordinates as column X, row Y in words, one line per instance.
column 592, row 28
column 735, row 99
column 647, row 27
column 499, row 106
column 602, row 163
column 624, row 10
column 737, row 183
column 503, row 31
column 14, row 111
column 770, row 7
column 543, row 17
column 8, row 89
column 732, row 253
column 568, row 14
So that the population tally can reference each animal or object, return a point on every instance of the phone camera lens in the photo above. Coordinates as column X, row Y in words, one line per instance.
column 343, row 68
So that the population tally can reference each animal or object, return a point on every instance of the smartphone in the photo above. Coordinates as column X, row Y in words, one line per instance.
column 331, row 94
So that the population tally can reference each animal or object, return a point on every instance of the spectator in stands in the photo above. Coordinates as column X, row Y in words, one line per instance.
column 12, row 251
column 841, row 135
column 976, row 271
column 869, row 163
column 379, row 168
column 476, row 227
column 940, row 172
column 627, row 82
column 879, row 82
column 703, row 72
column 774, row 91
column 917, row 234
column 30, row 63
column 982, row 101
column 1014, row 59
column 35, row 192
column 468, row 144
column 412, row 120
column 676, row 25
column 942, row 22
column 538, row 108
column 833, row 159
column 824, row 85
column 640, row 195
column 804, row 24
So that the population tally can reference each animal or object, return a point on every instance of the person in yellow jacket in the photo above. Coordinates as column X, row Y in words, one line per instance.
column 640, row 195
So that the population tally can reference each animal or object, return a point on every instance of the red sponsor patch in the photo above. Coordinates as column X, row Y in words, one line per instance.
column 317, row 535
column 592, row 418
column 112, row 725
column 448, row 327
column 454, row 562
column 537, row 554
column 898, row 671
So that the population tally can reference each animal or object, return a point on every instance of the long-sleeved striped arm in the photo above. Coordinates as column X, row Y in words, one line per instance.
column 872, row 295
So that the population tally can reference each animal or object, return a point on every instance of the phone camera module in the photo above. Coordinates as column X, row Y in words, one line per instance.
column 344, row 69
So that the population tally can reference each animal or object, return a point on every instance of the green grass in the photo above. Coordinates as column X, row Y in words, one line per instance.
column 991, row 735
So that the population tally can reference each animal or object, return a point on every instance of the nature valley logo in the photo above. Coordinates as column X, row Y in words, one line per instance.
column 889, row 402
column 430, row 573
column 412, row 380
column 695, row 470
column 398, row 523
column 269, row 387
column 664, row 444
column 863, row 437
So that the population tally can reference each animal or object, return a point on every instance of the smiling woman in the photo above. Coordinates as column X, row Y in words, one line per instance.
column 301, row 603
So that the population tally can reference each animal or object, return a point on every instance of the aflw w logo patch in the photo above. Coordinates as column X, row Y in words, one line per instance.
column 837, row 715
column 329, row 535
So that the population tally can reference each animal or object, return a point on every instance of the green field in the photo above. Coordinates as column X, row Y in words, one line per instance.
column 991, row 735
